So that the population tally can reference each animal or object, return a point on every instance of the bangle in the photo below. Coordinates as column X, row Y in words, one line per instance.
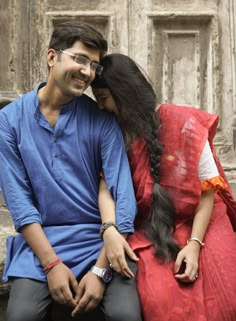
column 105, row 226
column 52, row 264
column 196, row 240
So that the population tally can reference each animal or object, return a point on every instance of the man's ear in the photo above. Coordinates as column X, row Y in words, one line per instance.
column 51, row 56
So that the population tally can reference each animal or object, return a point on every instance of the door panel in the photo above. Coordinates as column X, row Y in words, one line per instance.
column 187, row 48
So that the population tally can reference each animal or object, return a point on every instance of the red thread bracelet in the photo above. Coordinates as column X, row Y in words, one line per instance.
column 52, row 264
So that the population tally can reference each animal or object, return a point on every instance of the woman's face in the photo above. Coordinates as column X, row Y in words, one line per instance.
column 105, row 100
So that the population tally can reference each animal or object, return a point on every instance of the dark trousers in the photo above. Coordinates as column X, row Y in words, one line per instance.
column 30, row 300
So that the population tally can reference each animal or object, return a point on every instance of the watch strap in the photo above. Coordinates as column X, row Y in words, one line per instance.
column 105, row 274
column 105, row 226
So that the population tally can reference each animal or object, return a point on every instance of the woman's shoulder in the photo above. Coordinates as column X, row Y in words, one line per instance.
column 181, row 110
column 183, row 113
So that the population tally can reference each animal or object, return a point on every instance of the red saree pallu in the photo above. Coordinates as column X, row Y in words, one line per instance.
column 212, row 297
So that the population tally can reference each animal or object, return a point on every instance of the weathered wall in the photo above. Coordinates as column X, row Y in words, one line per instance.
column 187, row 47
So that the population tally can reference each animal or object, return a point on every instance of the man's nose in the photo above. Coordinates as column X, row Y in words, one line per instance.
column 86, row 69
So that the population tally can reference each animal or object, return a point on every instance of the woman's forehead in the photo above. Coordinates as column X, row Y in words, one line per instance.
column 101, row 91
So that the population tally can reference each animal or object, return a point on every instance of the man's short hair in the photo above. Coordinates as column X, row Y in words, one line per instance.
column 67, row 33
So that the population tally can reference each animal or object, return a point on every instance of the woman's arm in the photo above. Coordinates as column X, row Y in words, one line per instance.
column 91, row 288
column 115, row 244
column 106, row 204
column 202, row 215
column 187, row 259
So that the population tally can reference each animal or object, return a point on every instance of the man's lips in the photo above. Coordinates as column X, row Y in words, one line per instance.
column 79, row 81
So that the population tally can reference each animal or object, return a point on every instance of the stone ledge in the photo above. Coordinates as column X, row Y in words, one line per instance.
column 3, row 307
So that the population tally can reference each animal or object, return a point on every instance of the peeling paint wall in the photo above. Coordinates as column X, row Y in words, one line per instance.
column 187, row 48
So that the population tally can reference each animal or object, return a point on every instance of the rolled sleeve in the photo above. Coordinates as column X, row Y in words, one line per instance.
column 14, row 181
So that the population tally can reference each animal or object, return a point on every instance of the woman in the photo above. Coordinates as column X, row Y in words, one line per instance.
column 184, row 237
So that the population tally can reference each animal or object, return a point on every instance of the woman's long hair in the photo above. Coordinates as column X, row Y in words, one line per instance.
column 136, row 102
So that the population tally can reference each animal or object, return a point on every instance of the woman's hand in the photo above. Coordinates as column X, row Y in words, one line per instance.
column 116, row 248
column 186, row 264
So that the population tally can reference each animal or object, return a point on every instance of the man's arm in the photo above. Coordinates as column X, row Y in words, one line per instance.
column 19, row 200
column 115, row 243
column 116, row 170
column 60, row 277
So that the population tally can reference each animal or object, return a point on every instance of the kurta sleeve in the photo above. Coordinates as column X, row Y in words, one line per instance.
column 14, row 181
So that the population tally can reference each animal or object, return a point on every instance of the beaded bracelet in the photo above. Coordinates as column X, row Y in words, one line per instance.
column 52, row 264
column 196, row 240
column 105, row 226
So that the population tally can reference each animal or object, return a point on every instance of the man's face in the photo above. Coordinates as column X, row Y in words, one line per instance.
column 73, row 69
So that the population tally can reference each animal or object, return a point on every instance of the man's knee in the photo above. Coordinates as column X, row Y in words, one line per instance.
column 128, row 312
column 121, row 301
column 23, row 312
column 29, row 301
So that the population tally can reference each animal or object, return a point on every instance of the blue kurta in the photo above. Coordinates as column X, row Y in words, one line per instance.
column 51, row 176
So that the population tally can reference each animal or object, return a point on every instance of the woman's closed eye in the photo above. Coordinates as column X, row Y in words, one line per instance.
column 102, row 98
column 105, row 100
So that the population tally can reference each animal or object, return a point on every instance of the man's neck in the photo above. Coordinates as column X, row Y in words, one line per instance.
column 50, row 103
column 52, row 98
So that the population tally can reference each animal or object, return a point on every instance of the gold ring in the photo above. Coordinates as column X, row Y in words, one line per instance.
column 196, row 276
column 111, row 266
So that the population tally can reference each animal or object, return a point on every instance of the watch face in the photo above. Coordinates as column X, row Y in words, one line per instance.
column 107, row 276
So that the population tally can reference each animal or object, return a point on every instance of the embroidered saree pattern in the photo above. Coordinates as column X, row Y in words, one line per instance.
column 212, row 297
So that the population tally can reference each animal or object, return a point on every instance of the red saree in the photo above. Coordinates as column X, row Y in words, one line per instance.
column 212, row 297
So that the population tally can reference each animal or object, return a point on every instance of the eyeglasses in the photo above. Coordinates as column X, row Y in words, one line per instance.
column 82, row 60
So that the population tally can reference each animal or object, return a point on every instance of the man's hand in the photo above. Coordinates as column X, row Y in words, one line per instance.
column 89, row 293
column 60, row 282
column 116, row 247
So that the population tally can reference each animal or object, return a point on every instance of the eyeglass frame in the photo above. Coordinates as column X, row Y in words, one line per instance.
column 94, row 66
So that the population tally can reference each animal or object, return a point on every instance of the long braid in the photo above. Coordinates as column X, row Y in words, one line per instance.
column 161, row 221
column 136, row 101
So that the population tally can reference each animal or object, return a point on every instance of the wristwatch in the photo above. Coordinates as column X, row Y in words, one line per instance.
column 102, row 273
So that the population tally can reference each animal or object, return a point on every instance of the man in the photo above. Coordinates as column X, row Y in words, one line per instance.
column 54, row 143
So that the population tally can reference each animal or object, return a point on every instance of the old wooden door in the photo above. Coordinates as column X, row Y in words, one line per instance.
column 187, row 48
